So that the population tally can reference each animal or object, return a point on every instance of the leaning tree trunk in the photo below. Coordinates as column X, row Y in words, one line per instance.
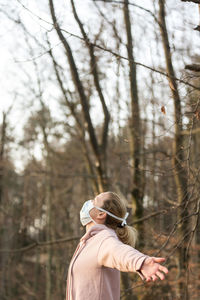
column 99, row 149
column 97, row 85
column 180, row 173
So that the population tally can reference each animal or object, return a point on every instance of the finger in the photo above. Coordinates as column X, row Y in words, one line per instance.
column 163, row 269
column 154, row 277
column 159, row 259
column 160, row 275
column 148, row 279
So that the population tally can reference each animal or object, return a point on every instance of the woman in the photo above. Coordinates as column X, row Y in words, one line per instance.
column 105, row 250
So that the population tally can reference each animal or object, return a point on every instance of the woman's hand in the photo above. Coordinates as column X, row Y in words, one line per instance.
column 152, row 270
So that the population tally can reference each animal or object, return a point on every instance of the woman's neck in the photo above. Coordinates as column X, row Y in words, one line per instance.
column 88, row 226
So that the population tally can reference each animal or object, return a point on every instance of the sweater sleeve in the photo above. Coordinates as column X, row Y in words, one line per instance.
column 115, row 254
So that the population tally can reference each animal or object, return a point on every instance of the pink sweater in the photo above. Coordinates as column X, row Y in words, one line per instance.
column 94, row 271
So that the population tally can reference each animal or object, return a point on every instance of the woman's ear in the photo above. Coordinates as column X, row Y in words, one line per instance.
column 101, row 215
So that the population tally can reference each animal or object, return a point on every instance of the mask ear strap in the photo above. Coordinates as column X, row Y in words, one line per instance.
column 118, row 218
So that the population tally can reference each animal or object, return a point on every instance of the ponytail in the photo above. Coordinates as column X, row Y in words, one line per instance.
column 127, row 234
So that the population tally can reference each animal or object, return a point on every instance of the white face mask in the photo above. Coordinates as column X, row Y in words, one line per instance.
column 85, row 217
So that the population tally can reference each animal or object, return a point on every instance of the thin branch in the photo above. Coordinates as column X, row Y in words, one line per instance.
column 161, row 212
column 193, row 67
column 40, row 244
column 194, row 1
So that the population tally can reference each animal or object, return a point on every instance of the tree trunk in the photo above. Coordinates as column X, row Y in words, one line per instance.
column 36, row 274
column 136, row 141
column 6, row 231
column 48, row 201
column 2, row 146
column 180, row 173
column 135, row 128
column 48, row 237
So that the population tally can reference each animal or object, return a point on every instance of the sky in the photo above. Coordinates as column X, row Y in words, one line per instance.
column 15, row 59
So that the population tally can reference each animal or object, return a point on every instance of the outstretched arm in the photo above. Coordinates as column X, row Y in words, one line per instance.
column 152, row 270
column 115, row 254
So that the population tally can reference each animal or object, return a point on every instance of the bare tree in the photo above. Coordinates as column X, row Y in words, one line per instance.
column 98, row 149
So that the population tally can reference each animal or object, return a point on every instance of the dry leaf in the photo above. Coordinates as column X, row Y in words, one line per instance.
column 163, row 110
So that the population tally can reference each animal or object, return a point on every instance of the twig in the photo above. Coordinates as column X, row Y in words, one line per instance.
column 38, row 244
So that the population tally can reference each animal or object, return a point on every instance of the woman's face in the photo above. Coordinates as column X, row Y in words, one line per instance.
column 98, row 201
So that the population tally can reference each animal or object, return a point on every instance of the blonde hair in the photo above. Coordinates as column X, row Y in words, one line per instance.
column 114, row 204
